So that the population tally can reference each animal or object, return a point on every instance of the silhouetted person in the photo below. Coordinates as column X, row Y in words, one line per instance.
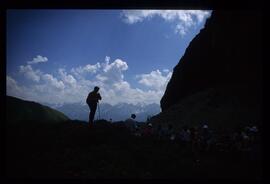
column 92, row 100
column 195, row 143
column 206, row 138
column 159, row 131
column 184, row 136
column 148, row 130
column 130, row 123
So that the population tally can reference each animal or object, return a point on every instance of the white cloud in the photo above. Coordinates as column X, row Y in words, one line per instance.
column 67, row 78
column 155, row 80
column 92, row 68
column 166, row 70
column 112, row 72
column 118, row 64
column 38, row 59
column 12, row 87
column 86, row 69
column 107, row 59
column 134, row 16
column 66, row 87
column 29, row 73
column 184, row 19
column 49, row 90
column 51, row 81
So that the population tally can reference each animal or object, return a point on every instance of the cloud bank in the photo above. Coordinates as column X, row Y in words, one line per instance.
column 74, row 85
column 184, row 19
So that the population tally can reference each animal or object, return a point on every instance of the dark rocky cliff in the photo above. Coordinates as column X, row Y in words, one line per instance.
column 219, row 78
column 226, row 53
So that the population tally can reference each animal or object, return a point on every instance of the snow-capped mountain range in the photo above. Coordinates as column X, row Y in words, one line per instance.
column 118, row 112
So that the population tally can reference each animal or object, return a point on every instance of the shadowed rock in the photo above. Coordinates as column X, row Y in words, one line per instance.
column 226, row 52
column 219, row 78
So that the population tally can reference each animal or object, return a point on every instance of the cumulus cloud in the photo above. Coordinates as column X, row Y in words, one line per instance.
column 20, row 91
column 52, row 81
column 113, row 72
column 12, row 87
column 29, row 73
column 67, row 78
column 166, row 70
column 155, row 79
column 184, row 19
column 107, row 59
column 66, row 87
column 118, row 65
column 38, row 59
column 86, row 69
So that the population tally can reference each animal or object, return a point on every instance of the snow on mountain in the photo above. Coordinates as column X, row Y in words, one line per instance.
column 117, row 112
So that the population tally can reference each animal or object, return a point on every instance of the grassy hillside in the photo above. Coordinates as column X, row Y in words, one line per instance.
column 20, row 110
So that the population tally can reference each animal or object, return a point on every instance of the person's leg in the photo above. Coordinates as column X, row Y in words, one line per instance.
column 89, row 117
column 93, row 108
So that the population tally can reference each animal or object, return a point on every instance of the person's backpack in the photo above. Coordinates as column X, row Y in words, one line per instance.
column 89, row 98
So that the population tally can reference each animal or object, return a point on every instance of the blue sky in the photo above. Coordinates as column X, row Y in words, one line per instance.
column 58, row 56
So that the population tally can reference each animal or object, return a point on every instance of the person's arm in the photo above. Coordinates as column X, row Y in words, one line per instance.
column 99, row 97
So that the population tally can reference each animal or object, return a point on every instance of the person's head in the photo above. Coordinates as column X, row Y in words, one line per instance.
column 96, row 88
column 205, row 126
column 133, row 116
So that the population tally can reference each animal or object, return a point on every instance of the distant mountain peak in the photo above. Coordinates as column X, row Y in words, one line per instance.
column 118, row 112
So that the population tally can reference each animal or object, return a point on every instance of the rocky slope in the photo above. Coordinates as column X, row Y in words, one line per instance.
column 224, row 61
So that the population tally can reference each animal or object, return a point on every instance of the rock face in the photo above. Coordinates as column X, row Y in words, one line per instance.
column 219, row 78
column 226, row 52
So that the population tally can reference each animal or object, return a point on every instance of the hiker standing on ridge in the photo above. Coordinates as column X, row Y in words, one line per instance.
column 131, row 124
column 92, row 100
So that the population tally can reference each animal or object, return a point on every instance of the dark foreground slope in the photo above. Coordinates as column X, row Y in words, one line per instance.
column 72, row 150
column 18, row 110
